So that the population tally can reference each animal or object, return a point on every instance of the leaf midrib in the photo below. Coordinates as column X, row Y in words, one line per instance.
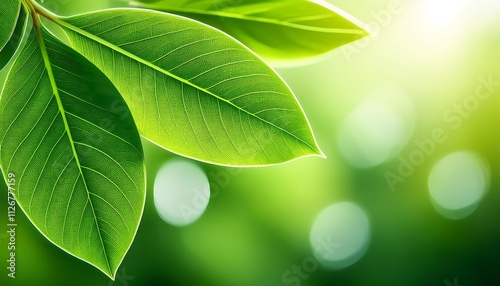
column 99, row 40
column 253, row 19
column 48, row 67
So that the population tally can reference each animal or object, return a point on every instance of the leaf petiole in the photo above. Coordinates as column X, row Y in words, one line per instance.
column 36, row 9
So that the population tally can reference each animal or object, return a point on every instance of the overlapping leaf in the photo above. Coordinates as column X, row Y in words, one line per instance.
column 194, row 90
column 69, row 139
column 8, row 16
column 14, row 42
column 276, row 29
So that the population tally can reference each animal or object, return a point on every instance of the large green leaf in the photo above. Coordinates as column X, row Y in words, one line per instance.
column 9, row 11
column 276, row 29
column 71, row 143
column 193, row 89
column 14, row 42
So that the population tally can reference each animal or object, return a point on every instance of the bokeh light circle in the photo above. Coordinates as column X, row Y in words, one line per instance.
column 457, row 184
column 379, row 128
column 181, row 192
column 371, row 135
column 340, row 235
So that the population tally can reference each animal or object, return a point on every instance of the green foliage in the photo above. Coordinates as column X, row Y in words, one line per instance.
column 68, row 115
column 8, row 18
column 200, row 99
column 12, row 17
column 12, row 45
column 276, row 29
column 75, row 151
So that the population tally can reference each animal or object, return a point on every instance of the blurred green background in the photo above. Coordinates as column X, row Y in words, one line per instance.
column 409, row 119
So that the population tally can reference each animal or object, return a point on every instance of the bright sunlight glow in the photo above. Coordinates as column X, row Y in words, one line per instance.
column 443, row 13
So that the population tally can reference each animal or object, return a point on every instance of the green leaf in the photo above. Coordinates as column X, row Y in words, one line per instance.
column 71, row 143
column 14, row 42
column 194, row 90
column 276, row 29
column 8, row 16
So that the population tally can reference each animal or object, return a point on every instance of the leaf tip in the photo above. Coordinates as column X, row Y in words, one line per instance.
column 109, row 272
column 366, row 31
column 319, row 153
column 322, row 155
column 112, row 277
